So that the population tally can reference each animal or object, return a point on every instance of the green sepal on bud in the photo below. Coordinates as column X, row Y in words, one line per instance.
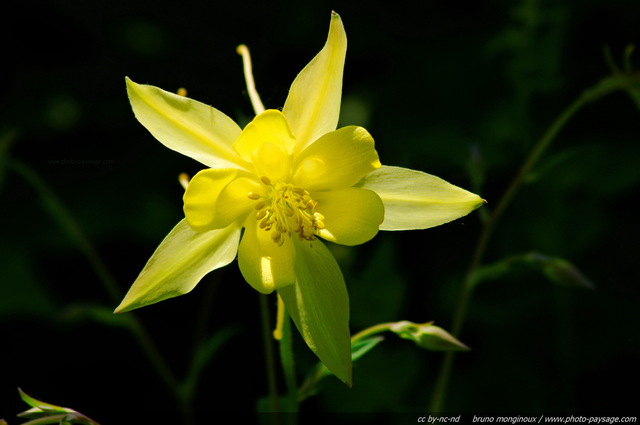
column 428, row 336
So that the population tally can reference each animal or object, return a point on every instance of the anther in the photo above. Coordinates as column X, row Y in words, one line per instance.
column 183, row 178
column 286, row 210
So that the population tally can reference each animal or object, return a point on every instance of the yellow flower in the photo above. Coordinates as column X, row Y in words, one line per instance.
column 288, row 179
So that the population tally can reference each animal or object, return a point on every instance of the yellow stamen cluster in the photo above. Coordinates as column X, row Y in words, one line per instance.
column 287, row 208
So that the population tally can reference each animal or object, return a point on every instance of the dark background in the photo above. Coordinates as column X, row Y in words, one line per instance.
column 462, row 91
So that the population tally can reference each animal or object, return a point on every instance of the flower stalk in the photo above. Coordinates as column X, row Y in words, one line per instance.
column 617, row 81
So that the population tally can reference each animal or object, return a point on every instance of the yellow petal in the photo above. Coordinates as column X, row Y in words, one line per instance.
column 201, row 198
column 351, row 216
column 416, row 200
column 264, row 264
column 313, row 104
column 185, row 125
column 178, row 264
column 338, row 159
column 319, row 306
column 267, row 142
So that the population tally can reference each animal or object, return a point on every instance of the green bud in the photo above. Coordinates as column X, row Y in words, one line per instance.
column 50, row 413
column 559, row 271
column 563, row 272
column 428, row 336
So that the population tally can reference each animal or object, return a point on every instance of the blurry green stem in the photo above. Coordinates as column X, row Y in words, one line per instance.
column 64, row 218
column 288, row 365
column 60, row 214
column 373, row 330
column 592, row 94
column 267, row 339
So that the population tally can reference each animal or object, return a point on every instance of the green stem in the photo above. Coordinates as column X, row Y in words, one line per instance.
column 64, row 218
column 373, row 330
column 604, row 87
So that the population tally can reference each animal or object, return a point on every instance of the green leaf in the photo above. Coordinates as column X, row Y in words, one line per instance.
column 361, row 347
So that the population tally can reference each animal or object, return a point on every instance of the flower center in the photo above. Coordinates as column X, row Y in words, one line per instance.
column 287, row 208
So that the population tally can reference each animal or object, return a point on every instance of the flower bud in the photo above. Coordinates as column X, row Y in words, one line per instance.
column 428, row 336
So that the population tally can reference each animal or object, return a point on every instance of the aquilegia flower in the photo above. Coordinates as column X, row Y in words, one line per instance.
column 289, row 179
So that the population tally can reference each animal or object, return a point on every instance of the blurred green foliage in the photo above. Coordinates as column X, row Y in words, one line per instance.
column 460, row 92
